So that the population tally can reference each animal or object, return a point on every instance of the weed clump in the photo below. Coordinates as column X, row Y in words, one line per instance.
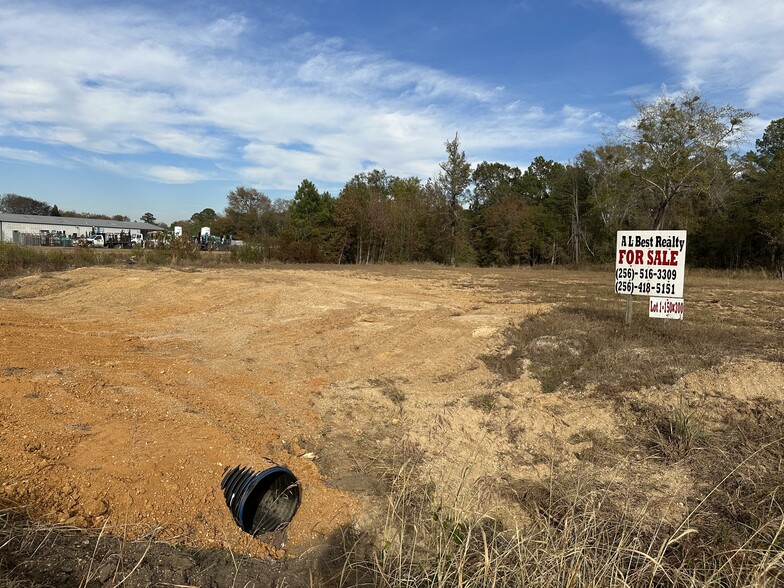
column 390, row 389
column 676, row 434
column 483, row 402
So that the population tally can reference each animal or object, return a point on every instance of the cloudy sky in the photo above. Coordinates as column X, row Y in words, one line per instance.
column 164, row 107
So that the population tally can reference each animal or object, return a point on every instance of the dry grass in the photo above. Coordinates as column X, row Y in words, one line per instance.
column 577, row 534
column 582, row 341
column 483, row 402
column 36, row 554
column 19, row 260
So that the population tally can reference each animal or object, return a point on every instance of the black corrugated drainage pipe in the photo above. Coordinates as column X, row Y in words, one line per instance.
column 261, row 502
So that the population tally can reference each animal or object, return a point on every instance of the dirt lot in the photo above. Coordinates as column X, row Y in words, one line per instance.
column 125, row 393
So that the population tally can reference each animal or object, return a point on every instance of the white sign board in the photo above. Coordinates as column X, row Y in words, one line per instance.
column 650, row 263
column 666, row 308
column 177, row 231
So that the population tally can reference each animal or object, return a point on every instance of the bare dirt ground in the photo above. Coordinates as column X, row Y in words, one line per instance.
column 124, row 394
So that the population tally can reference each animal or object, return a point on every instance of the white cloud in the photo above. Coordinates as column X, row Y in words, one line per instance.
column 100, row 163
column 131, row 83
column 24, row 155
column 723, row 44
column 349, row 72
column 169, row 174
column 224, row 32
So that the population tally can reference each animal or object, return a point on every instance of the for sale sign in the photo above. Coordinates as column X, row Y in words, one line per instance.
column 650, row 263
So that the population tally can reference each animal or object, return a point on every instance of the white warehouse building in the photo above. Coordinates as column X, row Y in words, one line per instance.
column 21, row 228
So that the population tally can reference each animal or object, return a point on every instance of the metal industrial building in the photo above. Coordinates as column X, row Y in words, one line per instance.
column 19, row 228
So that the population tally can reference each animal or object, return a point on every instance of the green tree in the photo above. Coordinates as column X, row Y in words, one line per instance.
column 250, row 214
column 16, row 204
column 763, row 192
column 539, row 183
column 771, row 145
column 148, row 217
column 55, row 211
column 416, row 220
column 507, row 232
column 310, row 211
column 438, row 244
column 492, row 181
column 204, row 218
column 528, row 217
column 310, row 232
column 730, row 235
column 362, row 213
column 678, row 153
column 770, row 212
column 501, row 228
column 454, row 179
column 540, row 177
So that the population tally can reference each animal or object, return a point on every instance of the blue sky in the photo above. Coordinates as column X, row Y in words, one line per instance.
column 164, row 107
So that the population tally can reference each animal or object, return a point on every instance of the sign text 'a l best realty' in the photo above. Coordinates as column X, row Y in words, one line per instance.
column 650, row 263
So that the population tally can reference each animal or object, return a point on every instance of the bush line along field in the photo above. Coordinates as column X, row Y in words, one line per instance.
column 17, row 260
column 604, row 455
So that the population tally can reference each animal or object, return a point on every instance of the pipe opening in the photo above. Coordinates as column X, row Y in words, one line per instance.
column 261, row 502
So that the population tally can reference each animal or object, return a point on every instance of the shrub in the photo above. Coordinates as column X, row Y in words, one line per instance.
column 15, row 259
column 250, row 253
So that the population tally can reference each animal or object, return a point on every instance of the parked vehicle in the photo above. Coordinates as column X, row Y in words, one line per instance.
column 121, row 240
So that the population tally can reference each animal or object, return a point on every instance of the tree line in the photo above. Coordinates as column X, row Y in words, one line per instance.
column 674, row 167
column 16, row 204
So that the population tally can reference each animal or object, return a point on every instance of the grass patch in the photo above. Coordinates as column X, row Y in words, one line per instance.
column 15, row 259
column 578, row 533
column 602, row 451
column 676, row 434
column 483, row 402
column 743, row 468
column 585, row 343
column 18, row 260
